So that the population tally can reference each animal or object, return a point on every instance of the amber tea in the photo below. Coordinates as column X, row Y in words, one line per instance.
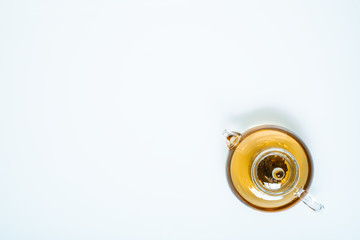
column 269, row 168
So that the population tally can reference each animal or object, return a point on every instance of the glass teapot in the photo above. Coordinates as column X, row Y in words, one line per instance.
column 269, row 168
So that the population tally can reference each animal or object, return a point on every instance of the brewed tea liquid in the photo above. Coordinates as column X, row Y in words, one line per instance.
column 267, row 167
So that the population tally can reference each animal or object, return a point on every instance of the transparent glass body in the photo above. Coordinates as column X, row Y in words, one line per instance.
column 269, row 168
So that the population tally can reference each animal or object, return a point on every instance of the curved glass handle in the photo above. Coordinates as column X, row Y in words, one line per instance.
column 309, row 200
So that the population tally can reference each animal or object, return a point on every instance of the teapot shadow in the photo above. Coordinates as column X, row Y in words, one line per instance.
column 265, row 116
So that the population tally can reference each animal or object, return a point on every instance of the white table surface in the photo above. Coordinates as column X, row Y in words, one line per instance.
column 111, row 114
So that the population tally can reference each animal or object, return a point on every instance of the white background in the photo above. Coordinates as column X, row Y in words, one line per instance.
column 111, row 114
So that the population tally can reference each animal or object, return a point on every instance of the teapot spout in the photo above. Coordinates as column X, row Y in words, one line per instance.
column 232, row 138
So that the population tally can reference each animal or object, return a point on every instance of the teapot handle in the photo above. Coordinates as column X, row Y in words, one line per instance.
column 309, row 200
